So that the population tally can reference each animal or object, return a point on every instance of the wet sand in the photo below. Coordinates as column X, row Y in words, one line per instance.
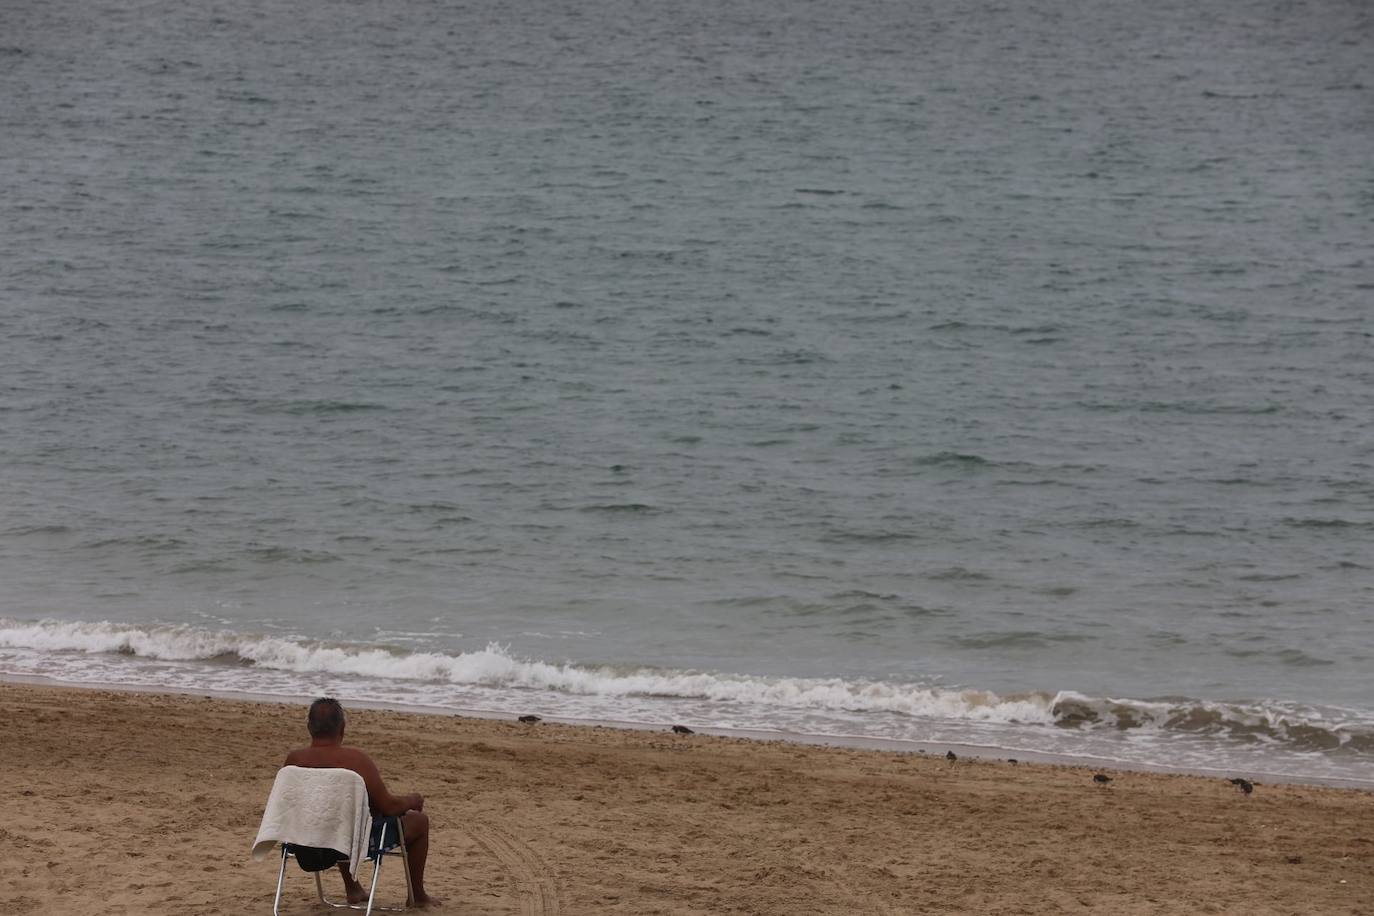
column 148, row 803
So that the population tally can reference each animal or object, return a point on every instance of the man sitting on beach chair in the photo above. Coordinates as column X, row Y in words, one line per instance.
column 326, row 749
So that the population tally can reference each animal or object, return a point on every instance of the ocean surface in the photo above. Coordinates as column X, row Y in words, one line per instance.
column 977, row 372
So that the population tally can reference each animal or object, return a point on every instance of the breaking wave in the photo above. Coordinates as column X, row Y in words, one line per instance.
column 1288, row 726
column 1293, row 726
column 495, row 666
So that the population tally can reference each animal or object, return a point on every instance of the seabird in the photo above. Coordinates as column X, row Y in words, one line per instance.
column 682, row 730
column 950, row 755
column 1101, row 779
column 1244, row 785
column 529, row 719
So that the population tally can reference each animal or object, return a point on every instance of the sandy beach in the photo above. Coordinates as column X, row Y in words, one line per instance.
column 148, row 803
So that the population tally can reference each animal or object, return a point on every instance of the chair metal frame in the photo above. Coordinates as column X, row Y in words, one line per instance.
column 398, row 850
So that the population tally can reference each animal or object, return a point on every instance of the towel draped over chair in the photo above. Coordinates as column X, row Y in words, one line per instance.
column 325, row 808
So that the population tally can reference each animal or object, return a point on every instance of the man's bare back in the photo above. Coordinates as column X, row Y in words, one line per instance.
column 326, row 749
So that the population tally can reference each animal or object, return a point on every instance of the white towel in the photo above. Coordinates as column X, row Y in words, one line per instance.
column 320, row 807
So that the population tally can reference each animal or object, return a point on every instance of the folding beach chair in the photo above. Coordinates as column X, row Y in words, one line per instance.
column 320, row 818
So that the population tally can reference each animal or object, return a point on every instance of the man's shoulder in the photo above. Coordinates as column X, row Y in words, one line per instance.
column 354, row 755
column 340, row 756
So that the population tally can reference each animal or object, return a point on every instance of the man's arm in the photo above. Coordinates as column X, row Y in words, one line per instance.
column 383, row 802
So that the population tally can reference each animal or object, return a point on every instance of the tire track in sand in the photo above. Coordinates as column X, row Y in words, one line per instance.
column 538, row 889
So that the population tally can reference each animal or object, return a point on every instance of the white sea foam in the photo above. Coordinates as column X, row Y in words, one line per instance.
column 495, row 666
column 498, row 668
column 1253, row 738
column 1302, row 728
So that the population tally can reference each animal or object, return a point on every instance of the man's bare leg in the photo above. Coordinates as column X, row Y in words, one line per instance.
column 353, row 891
column 415, row 826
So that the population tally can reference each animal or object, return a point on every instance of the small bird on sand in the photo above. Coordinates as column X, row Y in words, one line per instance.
column 529, row 719
column 1013, row 761
column 1101, row 779
column 950, row 755
column 682, row 730
column 1244, row 785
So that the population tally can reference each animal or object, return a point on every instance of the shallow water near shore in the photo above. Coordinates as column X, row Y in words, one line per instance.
column 915, row 372
column 1275, row 742
column 937, row 749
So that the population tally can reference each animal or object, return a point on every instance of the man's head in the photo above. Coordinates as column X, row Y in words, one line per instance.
column 326, row 719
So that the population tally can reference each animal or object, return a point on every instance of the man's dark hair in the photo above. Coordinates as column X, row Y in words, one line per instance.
column 326, row 718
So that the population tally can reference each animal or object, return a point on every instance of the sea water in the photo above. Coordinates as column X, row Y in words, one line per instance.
column 991, row 373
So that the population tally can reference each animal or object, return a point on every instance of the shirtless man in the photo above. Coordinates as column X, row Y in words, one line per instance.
column 326, row 749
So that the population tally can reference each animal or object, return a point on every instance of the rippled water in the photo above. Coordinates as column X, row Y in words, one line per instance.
column 991, row 373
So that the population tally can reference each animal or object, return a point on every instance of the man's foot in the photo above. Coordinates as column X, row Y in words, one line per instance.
column 427, row 900
column 353, row 888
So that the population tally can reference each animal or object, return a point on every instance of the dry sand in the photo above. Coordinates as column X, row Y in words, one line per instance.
column 148, row 803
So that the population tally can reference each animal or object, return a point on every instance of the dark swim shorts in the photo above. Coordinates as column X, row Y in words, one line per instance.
column 311, row 859
column 391, row 823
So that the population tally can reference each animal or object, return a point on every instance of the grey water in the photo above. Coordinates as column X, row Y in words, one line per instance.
column 989, row 371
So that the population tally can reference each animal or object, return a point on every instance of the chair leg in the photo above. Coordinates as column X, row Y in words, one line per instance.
column 405, row 863
column 400, row 850
column 281, row 877
column 372, row 893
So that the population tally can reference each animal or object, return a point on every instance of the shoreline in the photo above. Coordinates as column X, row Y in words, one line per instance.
column 856, row 742
column 559, row 819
